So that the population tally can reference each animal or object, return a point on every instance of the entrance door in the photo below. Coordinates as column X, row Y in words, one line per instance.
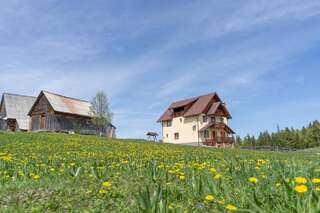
column 214, row 137
column 12, row 124
column 42, row 121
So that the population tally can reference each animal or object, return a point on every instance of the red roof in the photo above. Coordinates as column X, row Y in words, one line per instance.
column 207, row 104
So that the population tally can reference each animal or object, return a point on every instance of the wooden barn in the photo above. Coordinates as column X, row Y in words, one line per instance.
column 14, row 112
column 53, row 112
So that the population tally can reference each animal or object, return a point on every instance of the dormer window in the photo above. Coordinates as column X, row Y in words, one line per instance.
column 213, row 119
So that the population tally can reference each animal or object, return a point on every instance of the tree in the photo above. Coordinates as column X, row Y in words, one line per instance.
column 102, row 116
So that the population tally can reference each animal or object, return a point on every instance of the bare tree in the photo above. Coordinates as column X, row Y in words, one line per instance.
column 102, row 116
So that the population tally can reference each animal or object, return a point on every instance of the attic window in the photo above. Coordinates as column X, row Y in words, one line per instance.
column 179, row 109
column 169, row 123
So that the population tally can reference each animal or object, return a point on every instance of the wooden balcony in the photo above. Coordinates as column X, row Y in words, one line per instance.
column 220, row 142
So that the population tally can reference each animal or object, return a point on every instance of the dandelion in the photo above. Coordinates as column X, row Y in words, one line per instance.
column 317, row 189
column 106, row 184
column 301, row 188
column 300, row 180
column 36, row 177
column 102, row 191
column 253, row 180
column 231, row 207
column 217, row 176
column 213, row 170
column 209, row 198
column 316, row 180
column 182, row 177
column 221, row 202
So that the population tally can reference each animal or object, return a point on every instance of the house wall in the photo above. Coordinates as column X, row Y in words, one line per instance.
column 187, row 128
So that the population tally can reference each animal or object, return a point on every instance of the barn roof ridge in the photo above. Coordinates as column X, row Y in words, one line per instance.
column 19, row 95
column 77, row 99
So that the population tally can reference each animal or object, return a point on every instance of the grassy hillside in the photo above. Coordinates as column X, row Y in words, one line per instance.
column 56, row 172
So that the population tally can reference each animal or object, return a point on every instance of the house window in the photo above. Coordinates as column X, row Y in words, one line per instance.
column 194, row 128
column 169, row 123
column 206, row 133
column 221, row 119
column 176, row 136
column 213, row 119
column 180, row 120
column 205, row 119
column 167, row 135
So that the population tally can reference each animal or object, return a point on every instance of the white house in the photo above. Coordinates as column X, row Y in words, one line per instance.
column 199, row 120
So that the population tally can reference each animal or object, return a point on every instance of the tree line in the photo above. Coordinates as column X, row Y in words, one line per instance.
column 307, row 137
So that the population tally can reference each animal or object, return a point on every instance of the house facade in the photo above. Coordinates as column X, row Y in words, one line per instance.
column 14, row 112
column 200, row 120
column 58, row 113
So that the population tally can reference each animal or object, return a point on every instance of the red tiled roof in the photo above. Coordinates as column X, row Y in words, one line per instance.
column 167, row 116
column 183, row 102
column 207, row 104
column 214, row 108
column 200, row 105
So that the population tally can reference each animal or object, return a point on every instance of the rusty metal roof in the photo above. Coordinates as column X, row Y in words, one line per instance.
column 68, row 105
column 17, row 107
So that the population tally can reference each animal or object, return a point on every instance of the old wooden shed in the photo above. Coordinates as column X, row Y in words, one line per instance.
column 53, row 112
column 14, row 112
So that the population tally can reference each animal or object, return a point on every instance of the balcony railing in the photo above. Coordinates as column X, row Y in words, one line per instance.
column 219, row 141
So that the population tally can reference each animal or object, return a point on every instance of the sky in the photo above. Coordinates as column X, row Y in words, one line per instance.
column 261, row 56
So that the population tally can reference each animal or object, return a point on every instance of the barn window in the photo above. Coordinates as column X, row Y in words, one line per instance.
column 176, row 136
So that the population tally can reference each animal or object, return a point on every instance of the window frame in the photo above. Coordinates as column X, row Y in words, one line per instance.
column 176, row 135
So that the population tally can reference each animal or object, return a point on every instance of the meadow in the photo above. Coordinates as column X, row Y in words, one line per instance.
column 72, row 173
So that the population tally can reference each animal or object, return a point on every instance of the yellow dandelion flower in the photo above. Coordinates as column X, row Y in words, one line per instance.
column 301, row 188
column 231, row 207
column 300, row 180
column 182, row 177
column 217, row 176
column 209, row 198
column 221, row 202
column 106, row 184
column 253, row 180
column 213, row 170
column 317, row 189
column 102, row 191
column 36, row 177
column 316, row 180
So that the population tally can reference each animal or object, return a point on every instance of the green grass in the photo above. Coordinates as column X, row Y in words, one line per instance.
column 65, row 173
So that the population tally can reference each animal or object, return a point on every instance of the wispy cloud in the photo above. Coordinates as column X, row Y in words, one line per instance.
column 144, row 55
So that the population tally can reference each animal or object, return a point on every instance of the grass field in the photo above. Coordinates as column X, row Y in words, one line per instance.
column 56, row 172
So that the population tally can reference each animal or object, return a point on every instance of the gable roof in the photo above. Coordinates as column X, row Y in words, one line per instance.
column 207, row 104
column 63, row 104
column 17, row 107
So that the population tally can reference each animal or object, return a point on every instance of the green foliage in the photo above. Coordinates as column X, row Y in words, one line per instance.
column 43, row 172
column 307, row 137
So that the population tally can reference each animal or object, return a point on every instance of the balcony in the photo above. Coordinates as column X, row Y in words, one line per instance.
column 220, row 142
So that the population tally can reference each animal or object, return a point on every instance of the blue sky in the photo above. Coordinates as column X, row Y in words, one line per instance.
column 262, row 57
